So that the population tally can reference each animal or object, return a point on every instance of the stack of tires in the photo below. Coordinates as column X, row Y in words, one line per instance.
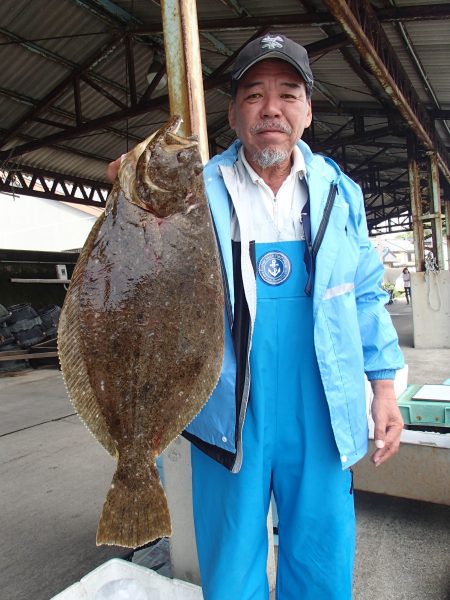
column 25, row 329
column 26, row 325
column 50, row 318
column 8, row 344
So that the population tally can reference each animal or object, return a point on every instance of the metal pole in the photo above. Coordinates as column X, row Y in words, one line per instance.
column 186, row 98
column 416, row 202
column 183, row 65
column 436, row 208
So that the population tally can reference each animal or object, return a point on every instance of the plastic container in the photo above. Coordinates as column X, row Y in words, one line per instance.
column 98, row 582
column 420, row 410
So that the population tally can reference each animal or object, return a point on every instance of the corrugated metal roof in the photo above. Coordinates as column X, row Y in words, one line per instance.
column 43, row 43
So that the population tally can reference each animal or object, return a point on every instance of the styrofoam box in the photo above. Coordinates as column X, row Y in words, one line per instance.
column 156, row 586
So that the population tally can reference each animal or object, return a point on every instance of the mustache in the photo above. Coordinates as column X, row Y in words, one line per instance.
column 273, row 125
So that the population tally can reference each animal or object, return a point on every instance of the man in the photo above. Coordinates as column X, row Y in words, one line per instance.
column 305, row 319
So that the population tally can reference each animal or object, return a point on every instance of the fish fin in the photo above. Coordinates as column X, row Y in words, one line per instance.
column 135, row 511
column 73, row 366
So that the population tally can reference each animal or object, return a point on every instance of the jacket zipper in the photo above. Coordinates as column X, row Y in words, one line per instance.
column 324, row 222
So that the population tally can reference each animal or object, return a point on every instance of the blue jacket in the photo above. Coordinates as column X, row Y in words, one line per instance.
column 353, row 332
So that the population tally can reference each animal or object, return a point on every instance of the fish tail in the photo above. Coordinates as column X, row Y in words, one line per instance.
column 135, row 511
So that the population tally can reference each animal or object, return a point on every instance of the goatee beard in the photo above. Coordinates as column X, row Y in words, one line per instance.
column 270, row 157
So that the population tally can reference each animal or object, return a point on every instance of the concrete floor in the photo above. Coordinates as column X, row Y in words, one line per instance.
column 55, row 475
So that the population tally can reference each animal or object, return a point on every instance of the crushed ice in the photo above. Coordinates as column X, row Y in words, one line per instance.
column 125, row 589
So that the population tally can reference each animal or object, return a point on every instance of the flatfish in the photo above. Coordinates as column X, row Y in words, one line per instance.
column 140, row 336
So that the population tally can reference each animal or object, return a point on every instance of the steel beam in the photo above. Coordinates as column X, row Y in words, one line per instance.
column 236, row 7
column 58, row 90
column 35, row 48
column 87, row 127
column 153, row 84
column 216, row 79
column 359, row 21
column 431, row 12
column 377, row 191
column 98, row 88
column 46, row 184
column 61, row 113
column 423, row 12
column 111, row 8
column 131, row 77
column 335, row 133
column 57, row 58
column 354, row 139
column 110, row 13
column 71, row 151
column 77, row 101
column 351, row 60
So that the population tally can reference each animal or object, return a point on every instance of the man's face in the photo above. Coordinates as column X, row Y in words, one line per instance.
column 270, row 111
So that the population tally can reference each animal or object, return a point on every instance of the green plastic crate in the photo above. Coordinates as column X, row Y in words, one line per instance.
column 423, row 411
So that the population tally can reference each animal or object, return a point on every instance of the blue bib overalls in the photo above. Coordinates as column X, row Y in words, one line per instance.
column 288, row 449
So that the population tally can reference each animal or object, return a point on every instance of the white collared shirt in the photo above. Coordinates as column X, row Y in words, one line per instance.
column 273, row 217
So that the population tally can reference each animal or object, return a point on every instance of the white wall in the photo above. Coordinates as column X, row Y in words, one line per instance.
column 431, row 309
column 28, row 223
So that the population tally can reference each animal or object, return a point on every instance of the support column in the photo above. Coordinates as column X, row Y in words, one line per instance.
column 447, row 220
column 436, row 209
column 416, row 202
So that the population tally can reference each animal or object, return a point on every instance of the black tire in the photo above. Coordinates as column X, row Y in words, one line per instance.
column 6, row 337
column 50, row 319
column 29, row 337
column 4, row 313
column 21, row 312
column 9, row 366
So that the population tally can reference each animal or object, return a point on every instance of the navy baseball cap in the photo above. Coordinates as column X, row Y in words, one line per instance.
column 272, row 45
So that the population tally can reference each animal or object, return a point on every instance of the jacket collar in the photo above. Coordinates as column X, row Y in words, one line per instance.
column 321, row 173
column 315, row 163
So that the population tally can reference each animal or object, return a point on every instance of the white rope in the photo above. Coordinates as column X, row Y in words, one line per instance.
column 432, row 281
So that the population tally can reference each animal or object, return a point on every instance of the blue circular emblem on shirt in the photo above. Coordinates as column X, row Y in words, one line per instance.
column 274, row 268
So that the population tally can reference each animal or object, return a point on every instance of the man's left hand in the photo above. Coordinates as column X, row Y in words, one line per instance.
column 387, row 419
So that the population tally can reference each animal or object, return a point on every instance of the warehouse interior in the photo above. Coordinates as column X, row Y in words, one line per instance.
column 83, row 81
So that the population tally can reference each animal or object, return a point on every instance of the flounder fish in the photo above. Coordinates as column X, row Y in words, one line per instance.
column 141, row 331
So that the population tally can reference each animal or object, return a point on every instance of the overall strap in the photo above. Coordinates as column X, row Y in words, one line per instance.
column 311, row 249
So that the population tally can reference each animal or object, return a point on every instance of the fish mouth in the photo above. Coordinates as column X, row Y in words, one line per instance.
column 174, row 142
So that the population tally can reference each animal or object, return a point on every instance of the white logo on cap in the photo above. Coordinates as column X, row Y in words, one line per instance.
column 272, row 42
